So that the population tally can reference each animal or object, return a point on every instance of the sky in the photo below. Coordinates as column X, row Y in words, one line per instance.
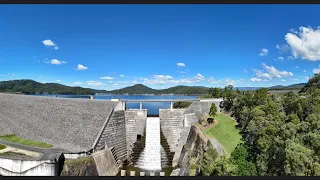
column 115, row 46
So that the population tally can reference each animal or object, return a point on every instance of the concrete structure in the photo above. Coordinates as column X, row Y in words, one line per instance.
column 203, row 106
column 105, row 163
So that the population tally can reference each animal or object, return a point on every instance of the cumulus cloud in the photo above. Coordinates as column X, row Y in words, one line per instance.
column 264, row 52
column 94, row 83
column 316, row 71
column 283, row 48
column 307, row 78
column 167, row 79
column 107, row 77
column 255, row 79
column 77, row 83
column 121, row 75
column 283, row 80
column 81, row 67
column 225, row 82
column 270, row 72
column 293, row 31
column 304, row 71
column 58, row 81
column 280, row 58
column 181, row 64
column 57, row 62
column 182, row 72
column 50, row 43
column 305, row 44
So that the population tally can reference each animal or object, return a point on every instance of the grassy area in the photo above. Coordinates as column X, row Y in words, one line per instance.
column 19, row 140
column 2, row 146
column 225, row 132
column 12, row 154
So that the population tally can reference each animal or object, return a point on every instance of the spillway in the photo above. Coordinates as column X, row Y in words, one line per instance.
column 150, row 158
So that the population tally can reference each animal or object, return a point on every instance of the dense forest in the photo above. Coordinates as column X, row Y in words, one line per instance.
column 281, row 134
column 32, row 87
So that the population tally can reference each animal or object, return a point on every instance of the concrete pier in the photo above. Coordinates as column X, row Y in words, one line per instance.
column 123, row 172
column 132, row 173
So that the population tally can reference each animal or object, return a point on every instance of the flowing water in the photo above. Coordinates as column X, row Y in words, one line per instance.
column 150, row 158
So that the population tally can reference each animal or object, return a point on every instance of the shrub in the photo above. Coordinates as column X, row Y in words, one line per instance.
column 213, row 110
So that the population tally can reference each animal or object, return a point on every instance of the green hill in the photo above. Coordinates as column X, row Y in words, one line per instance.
column 27, row 86
column 142, row 89
column 313, row 83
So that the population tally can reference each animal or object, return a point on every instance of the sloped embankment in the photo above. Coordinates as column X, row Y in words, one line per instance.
column 192, row 152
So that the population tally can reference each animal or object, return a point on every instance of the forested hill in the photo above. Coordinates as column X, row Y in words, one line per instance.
column 26, row 86
column 142, row 89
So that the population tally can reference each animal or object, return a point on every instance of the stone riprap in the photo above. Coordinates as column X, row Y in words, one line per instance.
column 70, row 124
column 171, row 123
column 114, row 136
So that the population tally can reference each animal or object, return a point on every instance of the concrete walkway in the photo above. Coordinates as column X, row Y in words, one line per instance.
column 48, row 153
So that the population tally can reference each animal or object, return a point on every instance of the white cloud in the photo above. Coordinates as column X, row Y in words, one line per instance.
column 245, row 70
column 94, row 83
column 304, row 71
column 58, row 81
column 280, row 58
column 264, row 52
column 271, row 72
column 297, row 67
column 255, row 79
column 110, row 81
column 293, row 31
column 283, row 80
column 291, row 58
column 77, row 83
column 306, row 77
column 81, row 67
column 316, row 71
column 115, row 84
column 182, row 72
column 107, row 77
column 57, row 62
column 283, row 48
column 306, row 45
column 166, row 79
column 181, row 64
column 50, row 43
column 226, row 81
column 121, row 75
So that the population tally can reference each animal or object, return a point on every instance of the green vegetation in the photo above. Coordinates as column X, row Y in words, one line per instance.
column 213, row 110
column 179, row 105
column 225, row 132
column 2, row 146
column 13, row 154
column 142, row 89
column 80, row 167
column 19, row 140
column 32, row 87
column 281, row 133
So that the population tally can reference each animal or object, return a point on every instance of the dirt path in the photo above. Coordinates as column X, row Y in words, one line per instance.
column 217, row 145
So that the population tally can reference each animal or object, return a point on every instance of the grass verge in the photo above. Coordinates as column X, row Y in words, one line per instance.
column 2, row 146
column 13, row 154
column 225, row 132
column 15, row 139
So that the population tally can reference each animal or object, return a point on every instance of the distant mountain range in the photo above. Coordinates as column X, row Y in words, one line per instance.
column 32, row 87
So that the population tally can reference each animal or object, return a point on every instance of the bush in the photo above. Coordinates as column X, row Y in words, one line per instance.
column 203, row 119
column 213, row 110
column 210, row 120
column 179, row 105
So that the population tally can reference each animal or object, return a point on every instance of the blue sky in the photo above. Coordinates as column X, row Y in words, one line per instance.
column 114, row 46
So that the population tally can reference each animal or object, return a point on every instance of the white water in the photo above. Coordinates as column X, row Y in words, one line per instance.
column 150, row 158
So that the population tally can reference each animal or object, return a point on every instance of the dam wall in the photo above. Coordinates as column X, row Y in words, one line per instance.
column 114, row 136
column 203, row 106
column 171, row 123
column 135, row 125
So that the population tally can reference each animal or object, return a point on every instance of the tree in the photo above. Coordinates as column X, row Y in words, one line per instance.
column 215, row 92
column 213, row 110
column 206, row 163
column 224, row 166
column 245, row 166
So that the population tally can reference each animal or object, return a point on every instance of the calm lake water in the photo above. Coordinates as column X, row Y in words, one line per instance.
column 152, row 107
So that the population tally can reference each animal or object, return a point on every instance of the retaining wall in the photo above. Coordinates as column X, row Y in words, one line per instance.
column 105, row 163
column 135, row 124
column 10, row 167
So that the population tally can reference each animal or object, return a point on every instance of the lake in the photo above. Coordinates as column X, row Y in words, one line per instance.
column 152, row 107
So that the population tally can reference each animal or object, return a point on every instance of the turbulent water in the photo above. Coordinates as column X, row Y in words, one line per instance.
column 150, row 157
